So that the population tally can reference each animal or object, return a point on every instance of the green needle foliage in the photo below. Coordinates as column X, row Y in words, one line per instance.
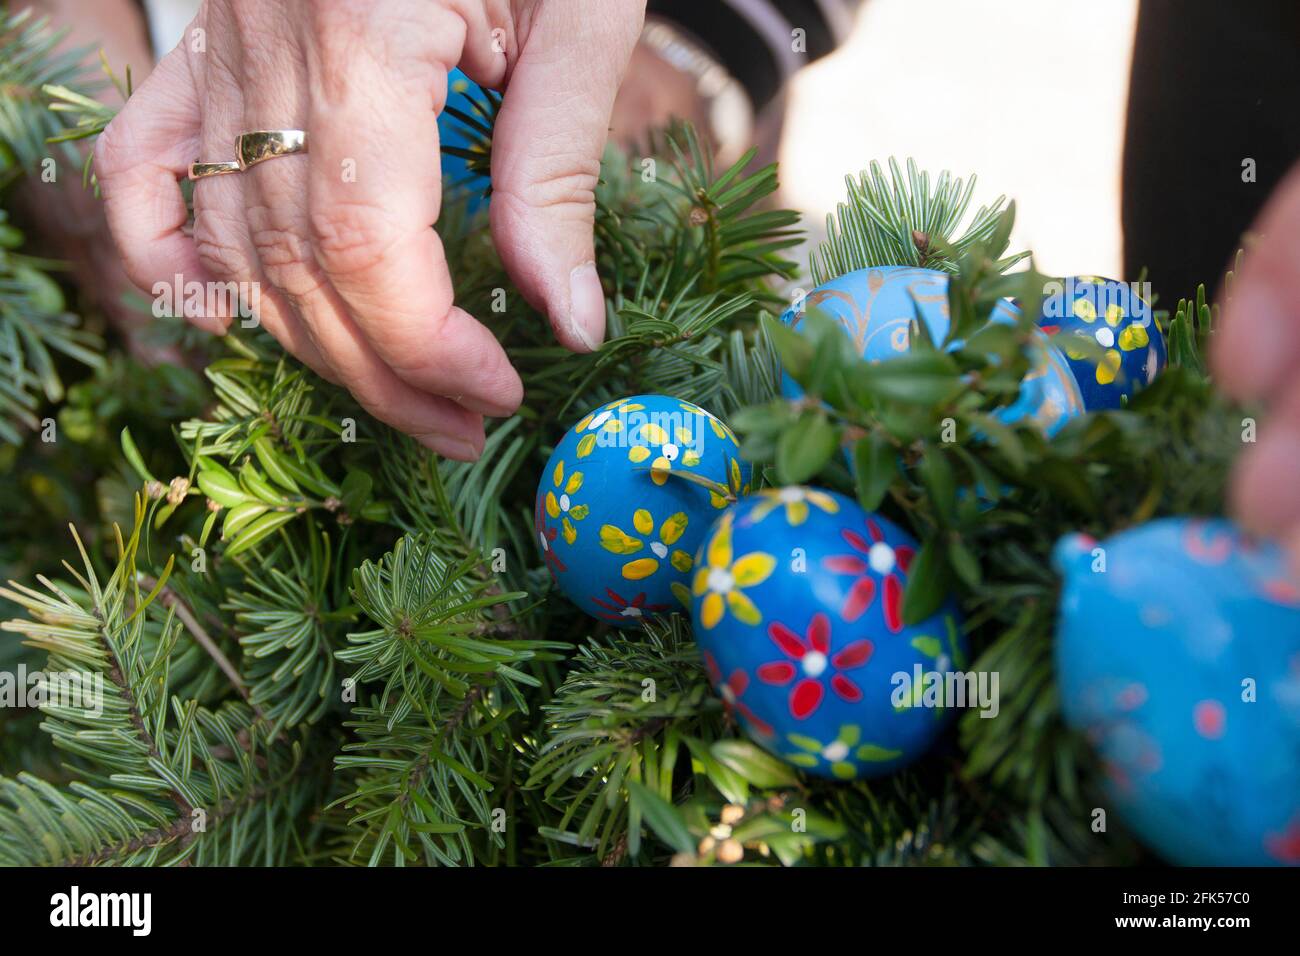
column 906, row 222
column 320, row 644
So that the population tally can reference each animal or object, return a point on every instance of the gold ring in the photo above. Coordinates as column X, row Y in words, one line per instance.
column 203, row 170
column 262, row 144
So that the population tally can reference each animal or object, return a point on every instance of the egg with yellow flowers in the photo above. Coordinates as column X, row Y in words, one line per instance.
column 625, row 500
column 1125, row 348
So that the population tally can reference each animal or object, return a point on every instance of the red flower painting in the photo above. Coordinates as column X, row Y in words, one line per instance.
column 731, row 691
column 873, row 557
column 811, row 663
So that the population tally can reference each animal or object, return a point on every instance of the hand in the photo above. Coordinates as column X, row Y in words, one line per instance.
column 70, row 220
column 1256, row 358
column 654, row 93
column 351, row 278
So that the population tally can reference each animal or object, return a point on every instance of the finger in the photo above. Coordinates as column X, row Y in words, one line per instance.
column 437, row 423
column 1263, row 493
column 489, row 44
column 1256, row 348
column 1292, row 546
column 546, row 150
column 373, row 196
column 138, row 161
column 226, row 249
column 272, row 73
column 221, row 235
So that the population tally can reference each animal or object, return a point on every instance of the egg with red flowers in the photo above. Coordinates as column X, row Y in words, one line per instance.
column 797, row 606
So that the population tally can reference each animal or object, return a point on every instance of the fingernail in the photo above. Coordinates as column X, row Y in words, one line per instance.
column 1259, row 344
column 586, row 306
column 448, row 447
column 491, row 407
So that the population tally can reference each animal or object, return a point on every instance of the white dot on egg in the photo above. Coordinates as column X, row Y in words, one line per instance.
column 881, row 558
column 813, row 663
column 720, row 580
column 836, row 751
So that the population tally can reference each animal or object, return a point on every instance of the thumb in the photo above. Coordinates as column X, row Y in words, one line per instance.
column 546, row 149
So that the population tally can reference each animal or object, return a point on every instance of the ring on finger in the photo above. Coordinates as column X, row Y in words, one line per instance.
column 257, row 146
column 203, row 170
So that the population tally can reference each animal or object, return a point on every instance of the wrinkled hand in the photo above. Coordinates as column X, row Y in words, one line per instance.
column 352, row 279
column 1256, row 358
column 69, row 219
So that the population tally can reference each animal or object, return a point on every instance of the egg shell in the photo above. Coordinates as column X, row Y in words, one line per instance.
column 1157, row 657
column 459, row 181
column 797, row 610
column 1116, row 318
column 876, row 307
column 617, row 517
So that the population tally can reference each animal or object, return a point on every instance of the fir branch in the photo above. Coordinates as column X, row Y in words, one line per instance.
column 626, row 707
column 173, row 602
column 29, row 62
column 151, row 761
column 904, row 222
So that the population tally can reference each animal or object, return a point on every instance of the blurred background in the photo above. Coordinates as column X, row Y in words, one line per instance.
column 1045, row 126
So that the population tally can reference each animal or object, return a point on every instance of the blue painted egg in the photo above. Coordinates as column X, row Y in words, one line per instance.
column 1049, row 394
column 876, row 307
column 1118, row 321
column 1180, row 661
column 627, row 497
column 458, row 180
column 797, row 600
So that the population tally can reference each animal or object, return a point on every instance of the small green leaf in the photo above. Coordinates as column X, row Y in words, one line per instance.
column 356, row 491
column 239, row 516
column 208, row 524
column 936, row 472
column 271, row 461
column 794, row 349
column 133, row 456
column 927, row 583
column 804, row 449
column 919, row 378
column 1003, row 438
column 753, row 763
column 221, row 487
column 876, row 462
column 259, row 487
column 259, row 529
column 964, row 562
column 662, row 817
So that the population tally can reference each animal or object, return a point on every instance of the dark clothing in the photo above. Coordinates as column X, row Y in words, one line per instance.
column 1213, row 84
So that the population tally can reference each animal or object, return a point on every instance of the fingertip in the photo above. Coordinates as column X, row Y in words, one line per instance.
column 449, row 446
column 1262, row 494
column 581, row 322
column 1291, row 545
column 503, row 402
column 1256, row 342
